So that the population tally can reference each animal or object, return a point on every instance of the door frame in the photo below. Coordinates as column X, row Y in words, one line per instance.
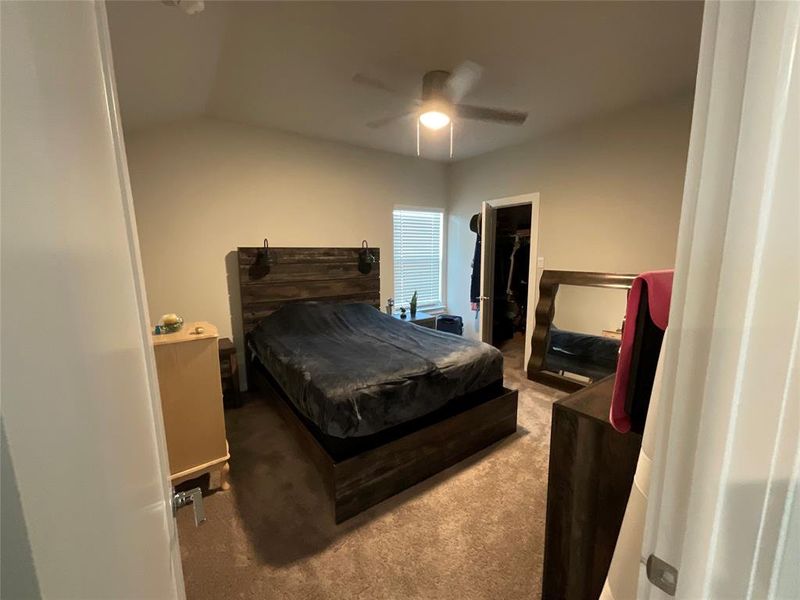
column 85, row 445
column 536, row 268
column 115, row 125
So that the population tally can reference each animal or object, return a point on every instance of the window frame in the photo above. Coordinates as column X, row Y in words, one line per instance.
column 433, row 308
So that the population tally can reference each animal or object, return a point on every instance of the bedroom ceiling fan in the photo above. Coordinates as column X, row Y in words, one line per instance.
column 440, row 105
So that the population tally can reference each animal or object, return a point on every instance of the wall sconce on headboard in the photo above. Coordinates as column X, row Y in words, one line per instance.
column 261, row 267
column 365, row 258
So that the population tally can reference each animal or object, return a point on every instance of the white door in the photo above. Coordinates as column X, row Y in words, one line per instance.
column 80, row 407
column 724, row 508
column 488, row 239
column 488, row 222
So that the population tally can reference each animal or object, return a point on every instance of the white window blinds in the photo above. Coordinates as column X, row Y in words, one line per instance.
column 418, row 257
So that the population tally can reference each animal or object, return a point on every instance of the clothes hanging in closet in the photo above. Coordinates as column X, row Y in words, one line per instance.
column 518, row 282
column 475, row 282
column 503, row 312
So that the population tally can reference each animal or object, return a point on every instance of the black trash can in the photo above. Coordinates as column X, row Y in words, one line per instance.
column 450, row 324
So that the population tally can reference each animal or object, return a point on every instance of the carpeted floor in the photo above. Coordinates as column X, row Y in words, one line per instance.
column 472, row 532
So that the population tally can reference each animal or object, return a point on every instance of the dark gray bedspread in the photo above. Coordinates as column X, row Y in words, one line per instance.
column 354, row 371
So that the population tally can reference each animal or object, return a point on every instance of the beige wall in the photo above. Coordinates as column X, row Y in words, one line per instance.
column 203, row 187
column 610, row 192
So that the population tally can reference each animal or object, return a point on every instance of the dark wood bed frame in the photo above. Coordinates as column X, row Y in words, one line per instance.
column 367, row 476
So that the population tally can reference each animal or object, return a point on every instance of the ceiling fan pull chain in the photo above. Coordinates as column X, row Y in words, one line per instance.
column 451, row 138
column 418, row 138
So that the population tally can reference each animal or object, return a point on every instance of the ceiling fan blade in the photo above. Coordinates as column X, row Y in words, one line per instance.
column 387, row 120
column 373, row 83
column 482, row 113
column 463, row 79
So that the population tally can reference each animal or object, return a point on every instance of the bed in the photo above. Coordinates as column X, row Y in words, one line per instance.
column 378, row 403
column 354, row 371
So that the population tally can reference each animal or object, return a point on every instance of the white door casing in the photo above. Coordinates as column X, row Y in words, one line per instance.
column 80, row 402
column 489, row 207
column 724, row 506
column 486, row 299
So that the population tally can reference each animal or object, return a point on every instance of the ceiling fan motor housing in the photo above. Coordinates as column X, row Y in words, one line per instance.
column 435, row 96
column 434, row 86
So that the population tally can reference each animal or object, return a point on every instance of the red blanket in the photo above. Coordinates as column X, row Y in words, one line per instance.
column 659, row 292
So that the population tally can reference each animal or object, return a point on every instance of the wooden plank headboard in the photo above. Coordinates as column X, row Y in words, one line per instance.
column 295, row 274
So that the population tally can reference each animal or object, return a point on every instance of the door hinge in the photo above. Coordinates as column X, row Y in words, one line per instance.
column 662, row 574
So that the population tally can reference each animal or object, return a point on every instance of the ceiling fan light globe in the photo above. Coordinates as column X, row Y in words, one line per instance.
column 434, row 119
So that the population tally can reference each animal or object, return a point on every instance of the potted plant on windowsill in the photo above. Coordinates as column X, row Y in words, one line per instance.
column 413, row 306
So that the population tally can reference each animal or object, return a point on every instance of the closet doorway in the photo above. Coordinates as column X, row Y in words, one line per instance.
column 510, row 269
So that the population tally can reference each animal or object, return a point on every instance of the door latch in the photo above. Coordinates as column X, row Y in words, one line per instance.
column 194, row 497
column 662, row 574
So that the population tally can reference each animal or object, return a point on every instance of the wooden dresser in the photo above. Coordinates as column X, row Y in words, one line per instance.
column 191, row 400
column 589, row 481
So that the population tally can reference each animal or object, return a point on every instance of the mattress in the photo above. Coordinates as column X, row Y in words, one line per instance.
column 354, row 371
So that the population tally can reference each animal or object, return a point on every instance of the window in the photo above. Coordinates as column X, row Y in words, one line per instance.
column 418, row 257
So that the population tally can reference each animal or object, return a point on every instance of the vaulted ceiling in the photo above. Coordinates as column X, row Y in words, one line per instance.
column 289, row 65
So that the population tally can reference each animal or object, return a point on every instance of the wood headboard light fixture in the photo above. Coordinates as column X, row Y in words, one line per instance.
column 272, row 277
column 365, row 259
column 260, row 267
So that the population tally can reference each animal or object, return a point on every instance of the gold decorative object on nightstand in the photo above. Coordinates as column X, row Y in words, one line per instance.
column 191, row 401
